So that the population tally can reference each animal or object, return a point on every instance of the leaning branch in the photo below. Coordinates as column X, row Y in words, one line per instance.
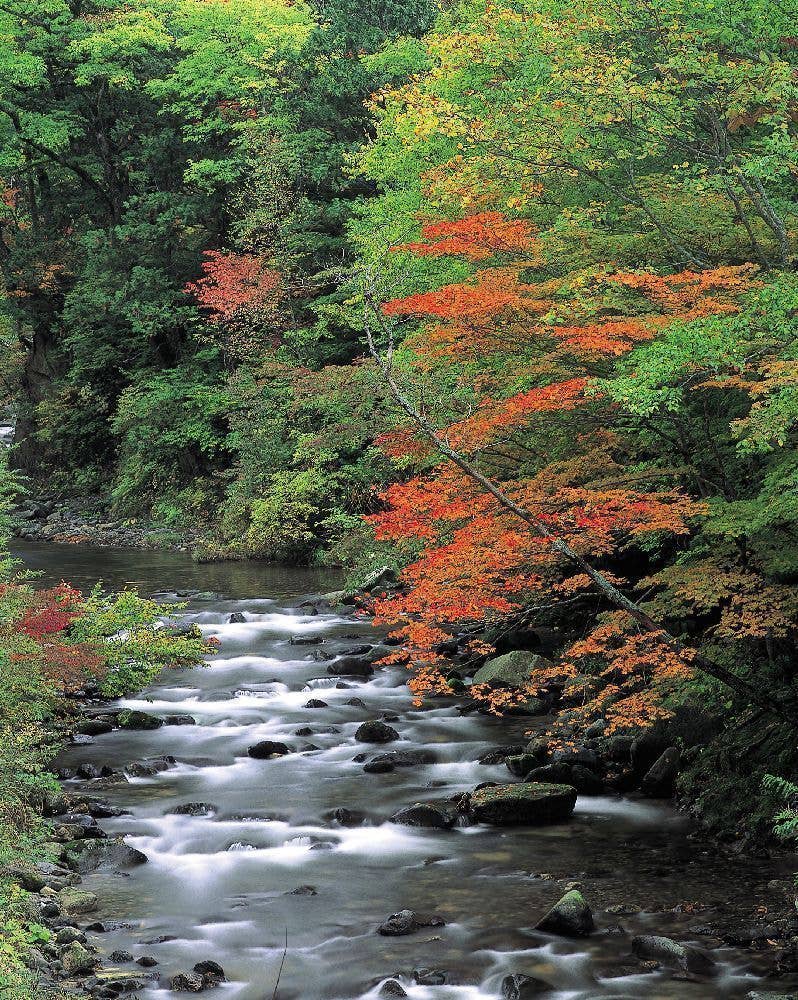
column 616, row 597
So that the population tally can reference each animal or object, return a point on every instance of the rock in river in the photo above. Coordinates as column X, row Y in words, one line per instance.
column 408, row 922
column 528, row 803
column 670, row 952
column 426, row 814
column 376, row 732
column 570, row 916
column 133, row 719
column 517, row 986
column 268, row 748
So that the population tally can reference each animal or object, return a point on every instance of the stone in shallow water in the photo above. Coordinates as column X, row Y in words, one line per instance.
column 194, row 809
column 74, row 901
column 376, row 732
column 408, row 922
column 570, row 916
column 426, row 814
column 392, row 989
column 518, row 986
column 665, row 949
column 527, row 803
column 268, row 748
column 429, row 977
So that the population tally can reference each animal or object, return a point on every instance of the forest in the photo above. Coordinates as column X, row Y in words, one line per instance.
column 487, row 308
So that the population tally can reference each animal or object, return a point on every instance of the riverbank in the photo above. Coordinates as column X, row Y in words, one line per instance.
column 89, row 522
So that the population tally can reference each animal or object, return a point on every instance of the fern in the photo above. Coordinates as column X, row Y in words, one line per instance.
column 785, row 794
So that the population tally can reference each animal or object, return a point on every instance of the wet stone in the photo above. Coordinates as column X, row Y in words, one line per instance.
column 408, row 922
column 392, row 989
column 194, row 809
column 376, row 731
column 268, row 748
column 429, row 977
column 518, row 986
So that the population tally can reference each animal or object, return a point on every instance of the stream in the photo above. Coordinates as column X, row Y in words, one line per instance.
column 221, row 886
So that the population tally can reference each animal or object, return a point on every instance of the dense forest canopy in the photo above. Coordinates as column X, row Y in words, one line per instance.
column 568, row 231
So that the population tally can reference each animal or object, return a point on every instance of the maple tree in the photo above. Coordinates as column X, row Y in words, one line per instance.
column 477, row 561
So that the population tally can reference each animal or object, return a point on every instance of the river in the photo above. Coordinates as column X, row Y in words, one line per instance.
column 220, row 886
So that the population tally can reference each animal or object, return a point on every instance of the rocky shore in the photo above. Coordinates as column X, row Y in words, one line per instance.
column 88, row 522
column 540, row 788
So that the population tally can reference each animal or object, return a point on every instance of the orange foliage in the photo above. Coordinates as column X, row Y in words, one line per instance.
column 476, row 237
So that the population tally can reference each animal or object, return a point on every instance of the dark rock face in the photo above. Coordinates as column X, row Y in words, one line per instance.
column 527, row 803
column 660, row 778
column 582, row 757
column 670, row 952
column 570, row 916
column 500, row 754
column 386, row 762
column 408, row 922
column 520, row 987
column 426, row 814
column 88, row 855
column 351, row 666
column 93, row 727
column 268, row 748
column 179, row 720
column 429, row 977
column 376, row 732
column 583, row 780
column 316, row 703
column 646, row 749
column 346, row 817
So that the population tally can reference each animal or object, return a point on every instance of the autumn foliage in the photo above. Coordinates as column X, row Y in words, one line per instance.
column 559, row 450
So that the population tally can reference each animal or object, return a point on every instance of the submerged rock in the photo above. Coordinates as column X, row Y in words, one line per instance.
column 665, row 949
column 570, row 916
column 376, row 732
column 408, row 922
column 529, row 803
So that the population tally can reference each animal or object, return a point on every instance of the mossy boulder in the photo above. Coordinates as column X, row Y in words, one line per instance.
column 77, row 959
column 134, row 719
column 511, row 669
column 74, row 901
column 570, row 916
column 526, row 803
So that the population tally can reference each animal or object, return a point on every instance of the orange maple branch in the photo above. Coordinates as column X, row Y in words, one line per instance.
column 373, row 314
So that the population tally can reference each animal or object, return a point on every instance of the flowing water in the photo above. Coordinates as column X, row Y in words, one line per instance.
column 219, row 886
